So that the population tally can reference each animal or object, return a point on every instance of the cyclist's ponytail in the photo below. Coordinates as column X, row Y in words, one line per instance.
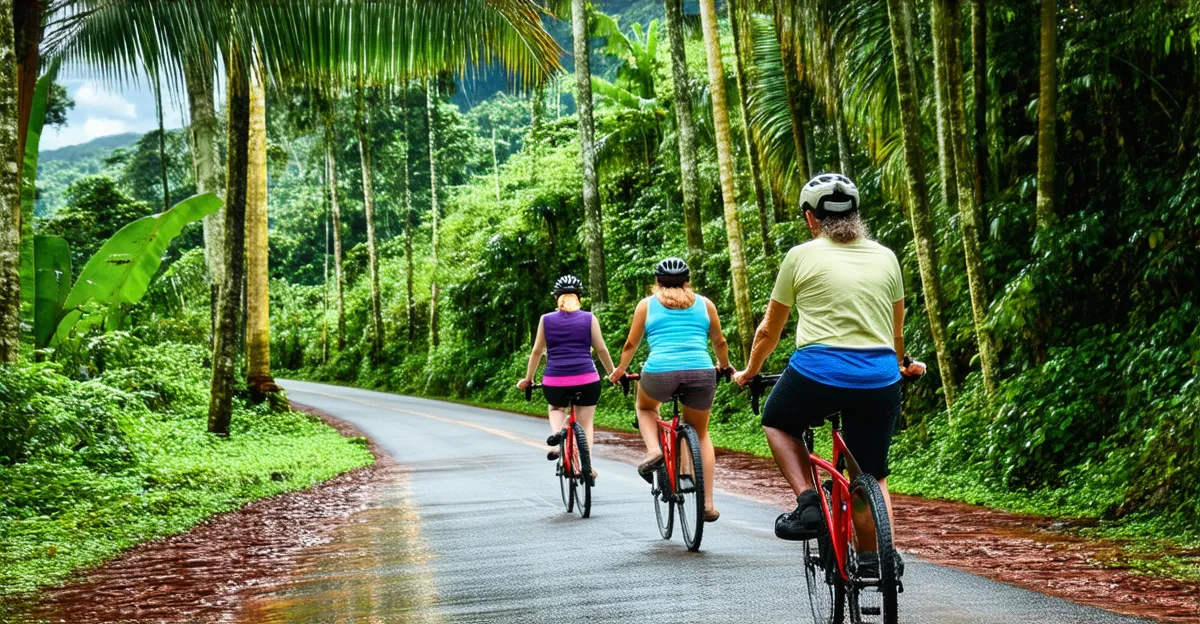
column 568, row 302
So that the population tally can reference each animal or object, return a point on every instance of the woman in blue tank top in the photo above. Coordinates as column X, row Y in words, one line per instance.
column 567, row 338
column 678, row 324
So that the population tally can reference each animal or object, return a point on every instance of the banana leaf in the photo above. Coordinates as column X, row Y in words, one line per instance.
column 33, row 136
column 52, row 283
column 120, row 272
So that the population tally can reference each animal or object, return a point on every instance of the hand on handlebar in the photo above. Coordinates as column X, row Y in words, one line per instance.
column 524, row 383
column 912, row 369
column 741, row 378
column 617, row 374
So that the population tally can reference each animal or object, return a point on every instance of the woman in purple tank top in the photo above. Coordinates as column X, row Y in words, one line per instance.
column 567, row 338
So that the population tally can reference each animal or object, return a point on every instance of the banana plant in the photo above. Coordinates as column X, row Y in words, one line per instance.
column 37, row 118
column 120, row 272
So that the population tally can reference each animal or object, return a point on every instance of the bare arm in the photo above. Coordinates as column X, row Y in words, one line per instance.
column 535, row 356
column 716, row 336
column 599, row 347
column 636, row 329
column 766, row 338
column 915, row 369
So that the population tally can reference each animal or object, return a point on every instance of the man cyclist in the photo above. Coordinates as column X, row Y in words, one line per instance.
column 849, row 354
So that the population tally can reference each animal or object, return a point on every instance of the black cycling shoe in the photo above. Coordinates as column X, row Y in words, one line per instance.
column 646, row 469
column 868, row 564
column 806, row 522
column 555, row 439
column 553, row 454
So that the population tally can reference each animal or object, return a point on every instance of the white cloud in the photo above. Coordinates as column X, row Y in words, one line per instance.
column 92, row 98
column 99, row 126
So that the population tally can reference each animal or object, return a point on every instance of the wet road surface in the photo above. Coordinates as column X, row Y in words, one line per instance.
column 473, row 529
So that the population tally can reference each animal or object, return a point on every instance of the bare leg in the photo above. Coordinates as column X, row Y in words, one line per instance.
column 699, row 421
column 792, row 458
column 647, row 415
column 558, row 416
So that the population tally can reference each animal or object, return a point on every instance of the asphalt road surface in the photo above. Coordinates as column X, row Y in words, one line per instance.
column 476, row 531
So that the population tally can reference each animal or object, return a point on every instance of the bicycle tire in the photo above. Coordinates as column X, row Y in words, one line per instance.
column 583, row 475
column 564, row 479
column 664, row 503
column 872, row 600
column 826, row 590
column 689, row 486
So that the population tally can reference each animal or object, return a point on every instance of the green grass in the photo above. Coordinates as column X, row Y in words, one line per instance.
column 75, row 517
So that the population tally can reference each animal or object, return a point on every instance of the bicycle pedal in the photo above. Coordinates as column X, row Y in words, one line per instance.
column 899, row 586
column 870, row 610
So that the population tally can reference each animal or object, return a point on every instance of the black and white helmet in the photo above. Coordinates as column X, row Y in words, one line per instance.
column 568, row 284
column 829, row 193
column 673, row 270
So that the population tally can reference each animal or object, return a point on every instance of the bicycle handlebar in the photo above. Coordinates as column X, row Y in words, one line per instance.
column 759, row 383
column 529, row 390
column 628, row 378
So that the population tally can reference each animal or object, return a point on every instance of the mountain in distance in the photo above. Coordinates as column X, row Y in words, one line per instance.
column 100, row 146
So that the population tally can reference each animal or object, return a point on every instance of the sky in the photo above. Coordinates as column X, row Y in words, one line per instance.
column 102, row 110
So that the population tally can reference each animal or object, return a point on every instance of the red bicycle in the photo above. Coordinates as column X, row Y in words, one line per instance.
column 574, row 465
column 842, row 565
column 679, row 481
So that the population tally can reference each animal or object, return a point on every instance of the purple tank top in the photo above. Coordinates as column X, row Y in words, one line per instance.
column 568, row 343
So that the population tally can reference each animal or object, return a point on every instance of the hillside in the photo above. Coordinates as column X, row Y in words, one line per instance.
column 59, row 168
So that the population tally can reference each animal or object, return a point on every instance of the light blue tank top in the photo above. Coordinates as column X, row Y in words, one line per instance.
column 678, row 338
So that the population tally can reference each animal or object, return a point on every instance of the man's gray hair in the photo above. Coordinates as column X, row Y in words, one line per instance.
column 844, row 228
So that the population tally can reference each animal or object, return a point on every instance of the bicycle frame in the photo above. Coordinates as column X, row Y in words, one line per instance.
column 568, row 458
column 837, row 512
column 666, row 439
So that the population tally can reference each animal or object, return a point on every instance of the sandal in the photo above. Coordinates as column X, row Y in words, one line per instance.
column 646, row 468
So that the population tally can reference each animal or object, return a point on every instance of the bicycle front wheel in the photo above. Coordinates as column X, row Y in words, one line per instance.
column 689, row 486
column 664, row 503
column 871, row 559
column 582, row 479
column 565, row 485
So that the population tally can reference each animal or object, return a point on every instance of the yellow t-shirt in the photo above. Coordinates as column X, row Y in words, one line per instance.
column 843, row 292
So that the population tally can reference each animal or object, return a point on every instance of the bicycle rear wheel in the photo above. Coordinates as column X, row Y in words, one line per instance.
column 664, row 503
column 582, row 479
column 565, row 486
column 689, row 486
column 874, row 585
column 826, row 590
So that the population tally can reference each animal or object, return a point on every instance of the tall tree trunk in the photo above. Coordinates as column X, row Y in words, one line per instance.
column 733, row 227
column 736, row 17
column 10, row 193
column 968, row 215
column 162, row 143
column 225, row 347
column 495, row 165
column 833, row 88
column 537, row 112
column 918, row 193
column 784, row 24
column 434, row 210
column 202, row 137
column 335, row 211
column 1047, row 114
column 689, row 176
column 408, row 223
column 258, row 307
column 979, row 58
column 27, row 30
column 593, row 219
column 325, row 300
column 948, row 175
column 364, row 151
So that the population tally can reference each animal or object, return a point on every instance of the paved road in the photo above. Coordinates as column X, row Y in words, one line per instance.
column 477, row 533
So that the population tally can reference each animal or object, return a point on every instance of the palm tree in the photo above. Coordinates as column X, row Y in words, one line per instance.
column 336, row 215
column 364, row 150
column 979, row 56
column 408, row 218
column 258, row 316
column 740, row 51
column 593, row 218
column 941, row 91
column 10, row 195
column 1047, row 107
column 689, row 176
column 785, row 29
column 968, row 213
column 918, row 193
column 433, row 210
column 733, row 227
column 202, row 139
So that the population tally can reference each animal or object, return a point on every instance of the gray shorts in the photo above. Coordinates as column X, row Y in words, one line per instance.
column 695, row 387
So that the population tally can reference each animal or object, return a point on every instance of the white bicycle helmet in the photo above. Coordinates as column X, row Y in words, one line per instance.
column 829, row 193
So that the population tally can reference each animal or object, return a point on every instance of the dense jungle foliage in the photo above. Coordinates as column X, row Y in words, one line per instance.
column 1064, row 352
